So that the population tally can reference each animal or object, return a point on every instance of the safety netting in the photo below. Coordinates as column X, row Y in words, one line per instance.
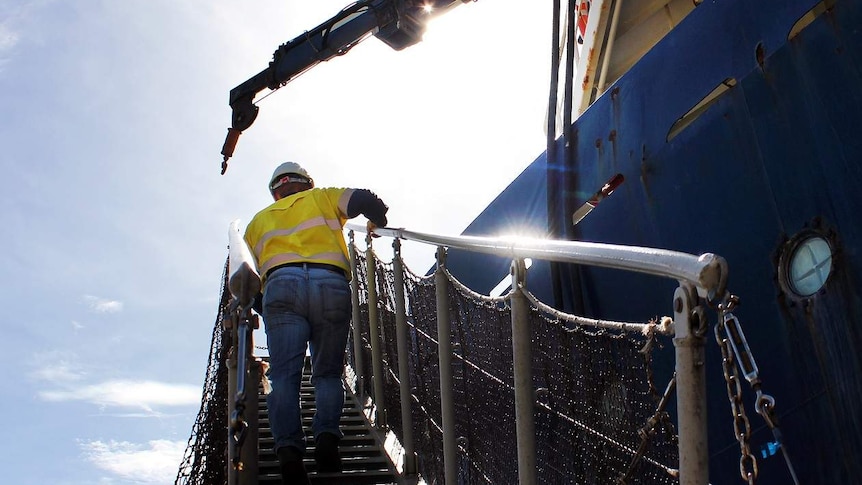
column 596, row 410
column 205, row 458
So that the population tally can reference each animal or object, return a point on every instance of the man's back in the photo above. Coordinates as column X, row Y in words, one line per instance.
column 303, row 227
column 298, row 245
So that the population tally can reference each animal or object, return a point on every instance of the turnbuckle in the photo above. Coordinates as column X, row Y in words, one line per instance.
column 764, row 404
column 740, row 348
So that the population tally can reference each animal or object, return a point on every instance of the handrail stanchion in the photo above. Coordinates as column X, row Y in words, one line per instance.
column 243, row 375
column 444, row 354
column 690, row 326
column 358, row 354
column 243, row 369
column 234, row 453
column 252, row 445
column 410, row 468
column 523, row 377
column 700, row 277
column 374, row 333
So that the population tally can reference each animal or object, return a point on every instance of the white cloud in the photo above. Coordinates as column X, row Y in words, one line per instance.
column 58, row 372
column 154, row 462
column 144, row 395
column 101, row 305
column 57, row 367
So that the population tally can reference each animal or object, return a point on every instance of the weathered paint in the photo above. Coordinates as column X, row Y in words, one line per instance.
column 777, row 154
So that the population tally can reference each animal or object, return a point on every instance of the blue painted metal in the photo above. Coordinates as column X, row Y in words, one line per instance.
column 776, row 155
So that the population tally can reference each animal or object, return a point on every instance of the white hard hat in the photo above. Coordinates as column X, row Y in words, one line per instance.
column 287, row 168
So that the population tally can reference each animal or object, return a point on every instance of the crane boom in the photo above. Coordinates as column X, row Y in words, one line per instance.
column 398, row 23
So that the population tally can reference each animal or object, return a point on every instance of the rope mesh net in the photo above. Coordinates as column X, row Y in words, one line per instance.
column 205, row 459
column 594, row 391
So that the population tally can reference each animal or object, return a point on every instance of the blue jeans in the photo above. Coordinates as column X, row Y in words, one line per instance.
column 305, row 307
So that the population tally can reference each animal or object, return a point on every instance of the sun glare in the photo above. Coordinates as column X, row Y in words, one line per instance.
column 428, row 8
column 522, row 236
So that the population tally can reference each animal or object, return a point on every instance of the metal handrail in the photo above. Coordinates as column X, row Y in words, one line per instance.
column 707, row 272
column 699, row 277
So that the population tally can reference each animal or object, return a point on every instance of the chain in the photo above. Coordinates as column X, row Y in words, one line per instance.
column 735, row 345
column 764, row 403
column 741, row 425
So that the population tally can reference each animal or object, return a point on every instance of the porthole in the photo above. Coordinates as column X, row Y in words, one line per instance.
column 806, row 264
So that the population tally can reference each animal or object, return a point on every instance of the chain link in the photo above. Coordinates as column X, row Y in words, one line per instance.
column 741, row 424
column 736, row 353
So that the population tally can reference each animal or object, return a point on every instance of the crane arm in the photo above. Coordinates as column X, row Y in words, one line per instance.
column 398, row 23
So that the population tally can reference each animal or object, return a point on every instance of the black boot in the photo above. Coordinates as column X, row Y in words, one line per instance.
column 292, row 469
column 326, row 453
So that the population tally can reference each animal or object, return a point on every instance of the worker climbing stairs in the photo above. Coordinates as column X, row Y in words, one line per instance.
column 447, row 380
column 364, row 459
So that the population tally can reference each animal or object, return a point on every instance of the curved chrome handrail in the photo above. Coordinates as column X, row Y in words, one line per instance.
column 707, row 272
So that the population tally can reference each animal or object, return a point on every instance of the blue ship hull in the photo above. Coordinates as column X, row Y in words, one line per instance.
column 777, row 157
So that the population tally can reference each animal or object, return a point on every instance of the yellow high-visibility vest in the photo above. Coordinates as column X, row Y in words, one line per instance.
column 304, row 227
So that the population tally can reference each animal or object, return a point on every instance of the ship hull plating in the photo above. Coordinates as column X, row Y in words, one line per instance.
column 774, row 158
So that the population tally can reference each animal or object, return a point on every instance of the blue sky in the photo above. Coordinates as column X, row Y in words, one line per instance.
column 115, row 217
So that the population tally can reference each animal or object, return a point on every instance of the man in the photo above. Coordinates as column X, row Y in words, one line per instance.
column 298, row 244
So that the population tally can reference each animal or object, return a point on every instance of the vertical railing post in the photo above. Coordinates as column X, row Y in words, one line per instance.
column 242, row 401
column 233, row 473
column 244, row 284
column 250, row 448
column 410, row 469
column 377, row 376
column 690, row 327
column 522, row 355
column 444, row 354
column 358, row 359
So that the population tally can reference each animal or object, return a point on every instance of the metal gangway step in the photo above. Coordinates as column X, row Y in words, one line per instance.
column 364, row 459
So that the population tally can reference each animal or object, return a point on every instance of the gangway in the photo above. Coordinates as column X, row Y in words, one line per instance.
column 364, row 458
column 432, row 436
